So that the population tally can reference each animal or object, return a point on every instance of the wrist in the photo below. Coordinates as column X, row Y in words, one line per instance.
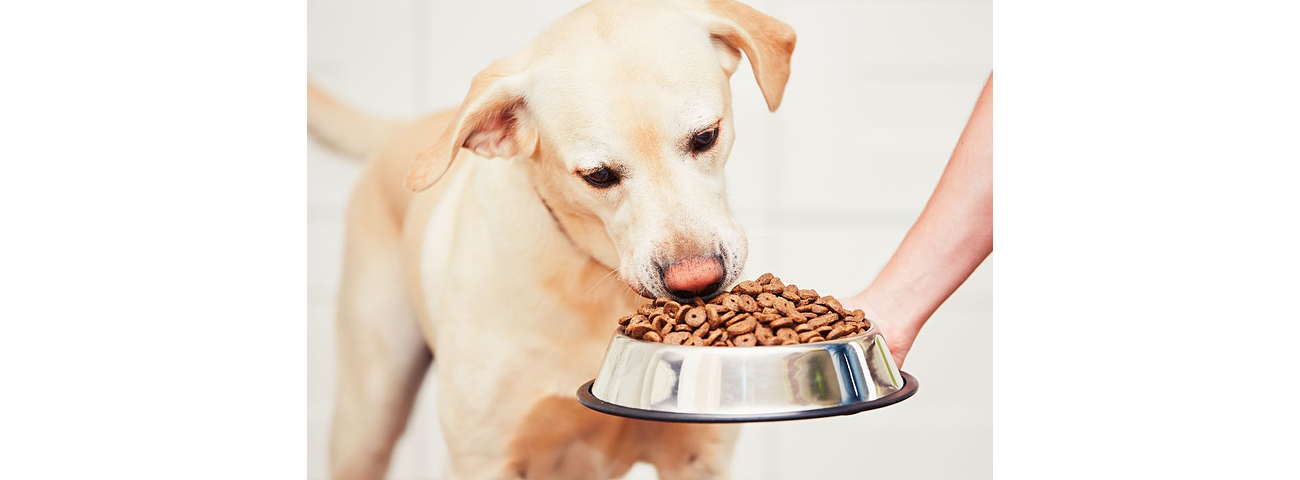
column 898, row 329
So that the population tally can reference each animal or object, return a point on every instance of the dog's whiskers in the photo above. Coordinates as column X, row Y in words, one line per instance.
column 602, row 279
column 635, row 297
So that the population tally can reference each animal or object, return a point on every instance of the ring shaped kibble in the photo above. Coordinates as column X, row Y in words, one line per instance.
column 760, row 312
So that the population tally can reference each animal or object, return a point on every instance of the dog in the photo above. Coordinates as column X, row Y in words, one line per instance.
column 579, row 175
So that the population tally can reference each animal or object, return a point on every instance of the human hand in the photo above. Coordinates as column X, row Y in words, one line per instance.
column 897, row 336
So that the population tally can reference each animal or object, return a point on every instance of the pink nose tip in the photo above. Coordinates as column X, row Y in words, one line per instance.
column 694, row 277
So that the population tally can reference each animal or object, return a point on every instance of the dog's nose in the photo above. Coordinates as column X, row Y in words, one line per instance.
column 696, row 277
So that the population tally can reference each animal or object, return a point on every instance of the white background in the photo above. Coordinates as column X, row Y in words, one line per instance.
column 826, row 188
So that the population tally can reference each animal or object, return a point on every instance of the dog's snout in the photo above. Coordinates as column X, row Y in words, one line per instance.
column 695, row 277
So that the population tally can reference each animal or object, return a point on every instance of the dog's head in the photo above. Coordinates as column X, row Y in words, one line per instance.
column 621, row 112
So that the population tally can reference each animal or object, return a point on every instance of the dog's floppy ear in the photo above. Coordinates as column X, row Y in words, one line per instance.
column 491, row 121
column 767, row 42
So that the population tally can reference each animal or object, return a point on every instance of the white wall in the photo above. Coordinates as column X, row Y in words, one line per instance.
column 826, row 188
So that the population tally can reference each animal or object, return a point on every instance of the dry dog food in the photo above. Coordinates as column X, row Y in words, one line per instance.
column 755, row 312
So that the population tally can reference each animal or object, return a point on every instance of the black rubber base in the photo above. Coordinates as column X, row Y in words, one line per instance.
column 590, row 401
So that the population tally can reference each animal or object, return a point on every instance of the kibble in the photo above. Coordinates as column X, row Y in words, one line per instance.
column 761, row 312
column 696, row 317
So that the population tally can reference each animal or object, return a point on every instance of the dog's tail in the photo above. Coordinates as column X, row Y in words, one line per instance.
column 345, row 129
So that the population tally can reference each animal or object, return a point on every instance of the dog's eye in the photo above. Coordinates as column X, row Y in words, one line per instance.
column 602, row 177
column 704, row 140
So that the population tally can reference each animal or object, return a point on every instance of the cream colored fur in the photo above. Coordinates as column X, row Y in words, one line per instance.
column 512, row 268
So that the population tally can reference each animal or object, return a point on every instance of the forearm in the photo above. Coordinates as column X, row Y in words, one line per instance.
column 948, row 241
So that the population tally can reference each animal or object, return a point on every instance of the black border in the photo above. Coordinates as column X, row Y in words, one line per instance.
column 910, row 385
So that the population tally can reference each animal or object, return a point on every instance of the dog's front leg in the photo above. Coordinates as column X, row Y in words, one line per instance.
column 692, row 452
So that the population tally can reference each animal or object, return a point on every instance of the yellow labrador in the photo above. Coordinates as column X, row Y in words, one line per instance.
column 597, row 149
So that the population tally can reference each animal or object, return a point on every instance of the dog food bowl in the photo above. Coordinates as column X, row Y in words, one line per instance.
column 677, row 383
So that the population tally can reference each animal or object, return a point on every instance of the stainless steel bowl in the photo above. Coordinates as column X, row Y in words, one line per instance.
column 656, row 381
